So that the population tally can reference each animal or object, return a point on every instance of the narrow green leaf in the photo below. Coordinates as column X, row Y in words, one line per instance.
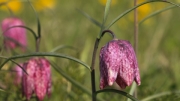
column 37, row 18
column 108, row 4
column 106, row 11
column 45, row 54
column 150, row 98
column 157, row 12
column 15, row 63
column 119, row 92
column 90, row 18
column 60, row 47
column 126, row 12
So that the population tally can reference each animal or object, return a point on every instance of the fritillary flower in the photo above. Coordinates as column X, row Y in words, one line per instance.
column 38, row 80
column 118, row 64
column 16, row 36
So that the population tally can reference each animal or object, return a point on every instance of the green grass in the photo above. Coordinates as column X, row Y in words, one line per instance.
column 158, row 52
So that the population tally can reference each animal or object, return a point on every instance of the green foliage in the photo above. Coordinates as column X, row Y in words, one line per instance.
column 158, row 51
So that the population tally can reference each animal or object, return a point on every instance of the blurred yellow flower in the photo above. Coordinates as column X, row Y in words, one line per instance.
column 43, row 4
column 143, row 11
column 103, row 2
column 147, row 9
column 14, row 5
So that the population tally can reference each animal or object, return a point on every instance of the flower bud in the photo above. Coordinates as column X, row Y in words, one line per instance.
column 15, row 36
column 38, row 79
column 118, row 63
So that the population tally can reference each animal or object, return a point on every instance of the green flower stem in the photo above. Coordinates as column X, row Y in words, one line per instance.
column 93, row 63
column 93, row 83
column 126, row 12
column 38, row 28
column 119, row 92
column 45, row 54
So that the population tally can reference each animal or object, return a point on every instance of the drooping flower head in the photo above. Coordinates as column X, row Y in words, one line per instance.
column 15, row 36
column 38, row 79
column 118, row 64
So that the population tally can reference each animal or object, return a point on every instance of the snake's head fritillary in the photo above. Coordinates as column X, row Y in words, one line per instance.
column 16, row 36
column 118, row 64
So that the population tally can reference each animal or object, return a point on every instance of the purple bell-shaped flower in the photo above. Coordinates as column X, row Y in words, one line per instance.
column 38, row 79
column 15, row 36
column 118, row 64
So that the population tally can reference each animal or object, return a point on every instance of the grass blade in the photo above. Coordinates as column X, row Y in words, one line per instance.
column 45, row 54
column 60, row 47
column 90, row 18
column 107, row 7
column 119, row 92
column 150, row 98
column 126, row 12
column 157, row 12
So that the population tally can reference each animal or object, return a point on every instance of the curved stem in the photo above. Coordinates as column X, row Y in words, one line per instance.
column 93, row 63
column 113, row 35
column 15, row 63
column 45, row 54
column 34, row 34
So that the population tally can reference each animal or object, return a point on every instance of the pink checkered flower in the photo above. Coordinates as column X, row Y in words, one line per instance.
column 118, row 64
column 15, row 36
column 38, row 80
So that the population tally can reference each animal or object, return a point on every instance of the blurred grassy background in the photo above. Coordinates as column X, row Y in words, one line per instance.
column 62, row 24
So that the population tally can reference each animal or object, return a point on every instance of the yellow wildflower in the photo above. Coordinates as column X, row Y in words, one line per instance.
column 147, row 9
column 143, row 11
column 103, row 2
column 14, row 5
column 43, row 4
